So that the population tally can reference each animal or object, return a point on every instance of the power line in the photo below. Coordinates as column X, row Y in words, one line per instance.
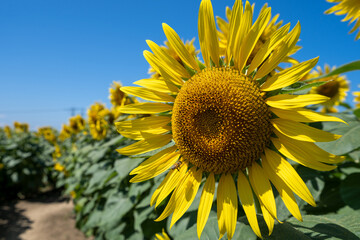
column 72, row 111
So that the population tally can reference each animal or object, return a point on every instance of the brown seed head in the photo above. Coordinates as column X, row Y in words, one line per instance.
column 220, row 121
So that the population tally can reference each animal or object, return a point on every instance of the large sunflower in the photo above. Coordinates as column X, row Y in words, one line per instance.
column 352, row 10
column 223, row 121
column 336, row 88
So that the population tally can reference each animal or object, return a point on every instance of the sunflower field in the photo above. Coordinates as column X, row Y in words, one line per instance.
column 235, row 140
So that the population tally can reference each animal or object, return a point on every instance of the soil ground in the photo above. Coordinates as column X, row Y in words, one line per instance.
column 47, row 217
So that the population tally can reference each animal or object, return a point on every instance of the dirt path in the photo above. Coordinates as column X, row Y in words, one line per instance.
column 45, row 218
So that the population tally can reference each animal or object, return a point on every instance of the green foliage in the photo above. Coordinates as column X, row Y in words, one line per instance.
column 352, row 66
column 107, row 205
column 26, row 165
column 336, row 193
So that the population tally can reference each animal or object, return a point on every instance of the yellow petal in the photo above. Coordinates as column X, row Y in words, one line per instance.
column 280, row 52
column 185, row 197
column 139, row 135
column 288, row 76
column 143, row 123
column 247, row 201
column 158, row 190
column 155, row 165
column 285, row 192
column 275, row 39
column 164, row 70
column 207, row 33
column 245, row 25
column 227, row 199
column 169, row 209
column 179, row 47
column 262, row 188
column 172, row 64
column 295, row 153
column 234, row 28
column 286, row 172
column 304, row 115
column 148, row 94
column 269, row 219
column 206, row 200
column 309, row 150
column 155, row 84
column 176, row 177
column 253, row 36
column 145, row 108
column 288, row 101
column 301, row 131
column 146, row 145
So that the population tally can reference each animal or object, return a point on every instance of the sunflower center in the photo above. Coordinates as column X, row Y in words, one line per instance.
column 220, row 121
column 329, row 89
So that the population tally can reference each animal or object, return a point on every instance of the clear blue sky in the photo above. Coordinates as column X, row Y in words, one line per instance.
column 56, row 55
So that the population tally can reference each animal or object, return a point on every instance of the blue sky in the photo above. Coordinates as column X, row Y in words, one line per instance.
column 58, row 55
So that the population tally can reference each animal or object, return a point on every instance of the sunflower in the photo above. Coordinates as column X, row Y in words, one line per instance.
column 65, row 132
column 336, row 89
column 224, row 121
column 21, row 127
column 48, row 133
column 7, row 131
column 77, row 124
column 118, row 98
column 270, row 28
column 58, row 167
column 99, row 118
column 357, row 99
column 352, row 10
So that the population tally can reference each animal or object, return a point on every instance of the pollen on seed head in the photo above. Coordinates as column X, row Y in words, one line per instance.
column 220, row 121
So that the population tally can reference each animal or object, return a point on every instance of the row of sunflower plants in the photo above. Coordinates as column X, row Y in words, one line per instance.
column 97, row 177
column 26, row 162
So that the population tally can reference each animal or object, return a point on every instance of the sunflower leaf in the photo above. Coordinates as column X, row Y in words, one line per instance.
column 301, row 86
column 350, row 190
column 353, row 66
column 350, row 135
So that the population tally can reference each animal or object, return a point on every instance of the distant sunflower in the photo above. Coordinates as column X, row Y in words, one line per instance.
column 77, row 124
column 21, row 127
column 65, row 132
column 336, row 89
column 222, row 121
column 99, row 118
column 357, row 99
column 7, row 130
column 118, row 98
column 48, row 133
column 352, row 10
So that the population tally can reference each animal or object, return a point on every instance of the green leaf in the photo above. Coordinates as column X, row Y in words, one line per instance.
column 350, row 190
column 301, row 86
column 124, row 166
column 342, row 69
column 334, row 226
column 357, row 112
column 115, row 208
column 97, row 180
column 349, row 140
column 313, row 180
